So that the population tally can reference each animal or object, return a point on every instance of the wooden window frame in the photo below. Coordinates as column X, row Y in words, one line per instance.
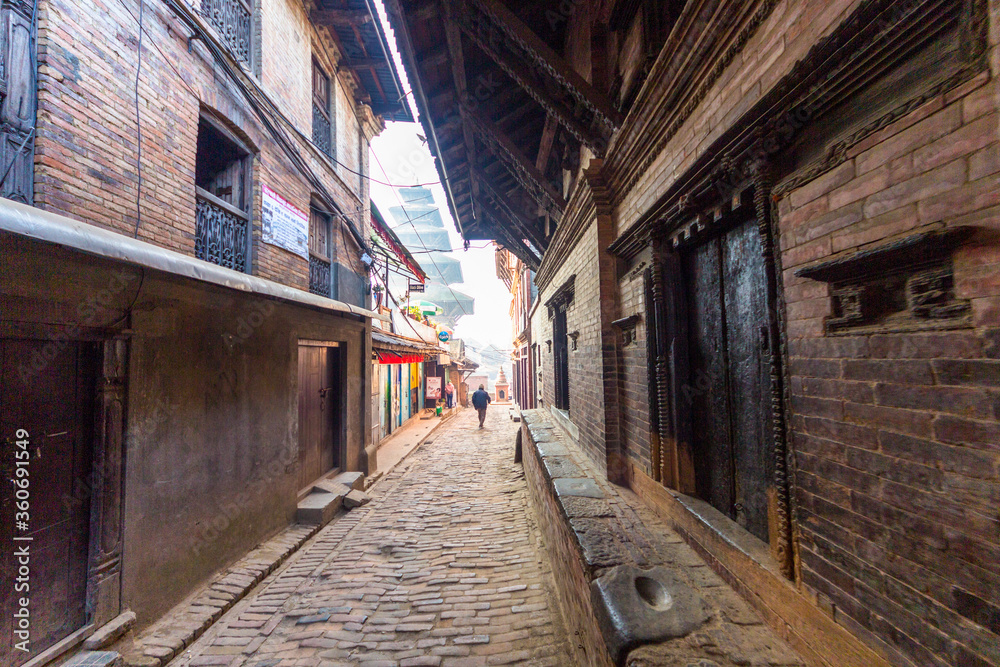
column 323, row 102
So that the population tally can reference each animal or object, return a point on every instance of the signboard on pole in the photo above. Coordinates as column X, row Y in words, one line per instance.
column 417, row 288
column 283, row 225
column 433, row 387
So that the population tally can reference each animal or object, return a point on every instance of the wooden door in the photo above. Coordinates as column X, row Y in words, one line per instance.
column 729, row 389
column 560, row 358
column 319, row 412
column 56, row 409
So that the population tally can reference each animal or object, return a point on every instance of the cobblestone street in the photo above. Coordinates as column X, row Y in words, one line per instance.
column 443, row 567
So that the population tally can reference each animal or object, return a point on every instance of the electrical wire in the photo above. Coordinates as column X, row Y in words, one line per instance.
column 268, row 113
column 431, row 257
column 138, row 129
column 447, row 250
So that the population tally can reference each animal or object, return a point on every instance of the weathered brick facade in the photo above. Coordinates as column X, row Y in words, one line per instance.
column 86, row 147
column 196, row 453
column 891, row 430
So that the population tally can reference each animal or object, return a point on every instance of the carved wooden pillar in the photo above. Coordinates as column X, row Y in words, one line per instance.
column 662, row 459
column 781, row 545
column 104, row 588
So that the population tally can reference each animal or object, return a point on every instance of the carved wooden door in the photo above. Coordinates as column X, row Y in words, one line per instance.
column 48, row 516
column 319, row 402
column 729, row 389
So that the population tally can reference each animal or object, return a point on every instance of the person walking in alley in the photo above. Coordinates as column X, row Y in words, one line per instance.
column 480, row 400
column 449, row 391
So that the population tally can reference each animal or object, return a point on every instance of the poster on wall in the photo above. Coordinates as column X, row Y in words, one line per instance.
column 283, row 225
column 433, row 387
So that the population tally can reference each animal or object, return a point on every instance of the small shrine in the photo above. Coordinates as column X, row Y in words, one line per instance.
column 501, row 389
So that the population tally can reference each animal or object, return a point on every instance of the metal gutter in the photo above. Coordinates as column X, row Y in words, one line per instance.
column 48, row 227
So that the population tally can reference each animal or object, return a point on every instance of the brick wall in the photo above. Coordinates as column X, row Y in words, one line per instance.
column 86, row 138
column 896, row 434
column 792, row 28
column 635, row 422
column 586, row 378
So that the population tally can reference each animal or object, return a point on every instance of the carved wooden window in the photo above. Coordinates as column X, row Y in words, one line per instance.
column 17, row 102
column 905, row 285
column 322, row 134
column 222, row 192
column 557, row 306
column 320, row 253
column 233, row 20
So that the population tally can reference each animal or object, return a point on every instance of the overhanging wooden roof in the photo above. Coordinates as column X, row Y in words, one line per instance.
column 502, row 110
column 356, row 27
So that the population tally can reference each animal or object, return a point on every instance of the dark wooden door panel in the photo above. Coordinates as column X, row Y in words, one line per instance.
column 728, row 392
column 747, row 341
column 56, row 408
column 706, row 393
column 319, row 404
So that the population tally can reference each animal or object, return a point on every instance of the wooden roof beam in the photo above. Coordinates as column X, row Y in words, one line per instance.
column 517, row 218
column 546, row 143
column 453, row 43
column 524, row 78
column 544, row 57
column 519, row 166
column 340, row 17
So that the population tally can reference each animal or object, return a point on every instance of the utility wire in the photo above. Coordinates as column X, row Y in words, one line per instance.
column 431, row 257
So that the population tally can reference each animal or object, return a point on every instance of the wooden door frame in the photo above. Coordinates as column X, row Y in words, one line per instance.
column 340, row 428
column 106, row 491
column 673, row 459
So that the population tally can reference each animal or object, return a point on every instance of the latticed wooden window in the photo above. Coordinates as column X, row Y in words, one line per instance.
column 322, row 122
column 222, row 175
column 233, row 19
column 320, row 252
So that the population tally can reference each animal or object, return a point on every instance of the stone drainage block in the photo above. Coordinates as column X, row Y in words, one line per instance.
column 636, row 607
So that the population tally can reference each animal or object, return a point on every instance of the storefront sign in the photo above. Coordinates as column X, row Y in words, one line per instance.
column 283, row 225
column 444, row 336
column 417, row 287
column 433, row 387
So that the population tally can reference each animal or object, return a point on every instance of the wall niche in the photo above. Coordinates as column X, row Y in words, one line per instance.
column 900, row 286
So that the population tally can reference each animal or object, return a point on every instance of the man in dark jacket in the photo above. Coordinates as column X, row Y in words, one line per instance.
column 480, row 400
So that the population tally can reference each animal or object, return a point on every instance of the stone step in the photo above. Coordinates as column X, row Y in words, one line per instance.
column 319, row 508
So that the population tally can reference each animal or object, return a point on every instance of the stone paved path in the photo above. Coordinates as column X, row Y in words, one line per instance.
column 444, row 567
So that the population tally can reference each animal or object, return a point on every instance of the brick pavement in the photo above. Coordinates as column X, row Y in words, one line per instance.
column 444, row 567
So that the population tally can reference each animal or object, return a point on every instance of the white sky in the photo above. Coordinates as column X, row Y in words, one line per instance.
column 400, row 157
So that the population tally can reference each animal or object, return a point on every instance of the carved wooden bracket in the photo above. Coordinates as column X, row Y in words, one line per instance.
column 903, row 285
column 627, row 326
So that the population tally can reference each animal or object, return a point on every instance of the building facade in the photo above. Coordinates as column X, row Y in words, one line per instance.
column 184, row 311
column 764, row 241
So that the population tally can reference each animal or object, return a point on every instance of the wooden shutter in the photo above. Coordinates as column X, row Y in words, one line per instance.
column 17, row 103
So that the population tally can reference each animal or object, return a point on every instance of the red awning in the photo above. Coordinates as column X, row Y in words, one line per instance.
column 387, row 358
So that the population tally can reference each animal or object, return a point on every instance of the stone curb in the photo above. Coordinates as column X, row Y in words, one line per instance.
column 188, row 621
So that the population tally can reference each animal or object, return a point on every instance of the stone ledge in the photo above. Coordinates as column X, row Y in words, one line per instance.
column 610, row 547
column 186, row 622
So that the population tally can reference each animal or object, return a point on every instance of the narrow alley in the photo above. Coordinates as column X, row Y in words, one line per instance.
column 725, row 275
column 443, row 567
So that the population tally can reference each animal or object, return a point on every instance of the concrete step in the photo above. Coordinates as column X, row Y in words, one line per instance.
column 319, row 507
